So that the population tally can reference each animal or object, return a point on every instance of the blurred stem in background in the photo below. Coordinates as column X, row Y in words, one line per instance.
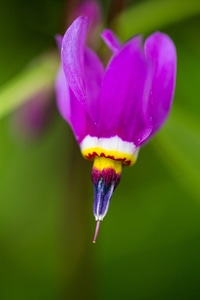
column 77, row 236
column 38, row 75
column 116, row 7
column 69, row 8
column 147, row 16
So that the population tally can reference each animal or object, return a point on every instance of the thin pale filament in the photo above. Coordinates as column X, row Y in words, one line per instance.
column 96, row 231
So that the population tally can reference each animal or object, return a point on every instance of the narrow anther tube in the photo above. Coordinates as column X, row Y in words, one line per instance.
column 96, row 231
column 105, row 177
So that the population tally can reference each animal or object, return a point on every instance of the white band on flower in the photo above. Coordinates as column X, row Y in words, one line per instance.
column 113, row 146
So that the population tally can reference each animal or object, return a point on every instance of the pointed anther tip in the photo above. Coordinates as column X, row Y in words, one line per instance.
column 96, row 231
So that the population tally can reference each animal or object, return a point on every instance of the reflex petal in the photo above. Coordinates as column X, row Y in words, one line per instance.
column 82, row 68
column 161, row 54
column 62, row 95
column 123, row 100
column 111, row 40
column 72, row 55
column 70, row 108
column 93, row 78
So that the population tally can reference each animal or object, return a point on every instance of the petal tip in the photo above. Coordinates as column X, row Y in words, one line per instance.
column 111, row 40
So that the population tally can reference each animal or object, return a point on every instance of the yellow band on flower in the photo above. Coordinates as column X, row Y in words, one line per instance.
column 124, row 158
column 113, row 148
column 102, row 163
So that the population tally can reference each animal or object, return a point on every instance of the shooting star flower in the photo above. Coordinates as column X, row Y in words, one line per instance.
column 114, row 111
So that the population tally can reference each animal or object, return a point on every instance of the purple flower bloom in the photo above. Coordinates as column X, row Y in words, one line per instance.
column 113, row 112
column 31, row 119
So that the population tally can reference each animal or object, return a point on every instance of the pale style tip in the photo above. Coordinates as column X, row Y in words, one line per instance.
column 96, row 231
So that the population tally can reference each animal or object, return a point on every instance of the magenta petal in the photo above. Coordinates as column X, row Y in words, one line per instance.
column 93, row 78
column 161, row 53
column 82, row 67
column 70, row 108
column 123, row 106
column 72, row 55
column 111, row 40
column 80, row 120
column 62, row 95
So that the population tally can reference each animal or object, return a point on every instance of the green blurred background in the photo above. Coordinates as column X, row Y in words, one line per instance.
column 148, row 245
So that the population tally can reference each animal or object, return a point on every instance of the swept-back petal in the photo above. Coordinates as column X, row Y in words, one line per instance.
column 70, row 108
column 72, row 55
column 82, row 68
column 62, row 95
column 111, row 40
column 123, row 106
column 161, row 54
column 93, row 78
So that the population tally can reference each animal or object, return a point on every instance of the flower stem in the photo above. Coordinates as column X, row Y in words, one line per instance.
column 116, row 6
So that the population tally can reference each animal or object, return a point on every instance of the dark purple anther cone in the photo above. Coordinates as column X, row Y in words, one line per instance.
column 105, row 182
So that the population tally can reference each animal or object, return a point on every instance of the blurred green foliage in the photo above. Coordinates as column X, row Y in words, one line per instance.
column 149, row 243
